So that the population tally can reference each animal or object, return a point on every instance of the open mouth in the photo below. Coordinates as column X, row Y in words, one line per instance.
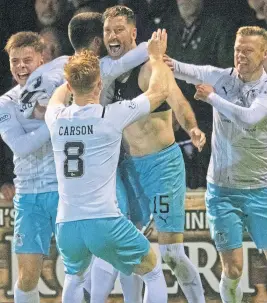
column 23, row 76
column 115, row 49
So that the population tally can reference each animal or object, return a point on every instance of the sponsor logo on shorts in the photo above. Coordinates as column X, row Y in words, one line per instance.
column 5, row 117
column 164, row 219
column 18, row 239
column 220, row 238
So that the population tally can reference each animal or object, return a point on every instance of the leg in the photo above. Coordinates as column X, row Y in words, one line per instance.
column 132, row 287
column 104, row 276
column 172, row 252
column 76, row 258
column 73, row 287
column 225, row 213
column 166, row 190
column 122, row 245
column 32, row 236
column 151, row 272
column 232, row 266
column 103, row 271
column 30, row 267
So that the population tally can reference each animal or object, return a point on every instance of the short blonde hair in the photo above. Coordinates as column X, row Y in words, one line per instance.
column 25, row 39
column 82, row 71
column 246, row 31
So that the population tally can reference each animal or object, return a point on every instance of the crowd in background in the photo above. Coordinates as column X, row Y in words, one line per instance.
column 199, row 32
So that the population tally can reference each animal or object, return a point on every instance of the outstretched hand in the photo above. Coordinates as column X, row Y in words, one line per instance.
column 203, row 91
column 198, row 138
column 157, row 45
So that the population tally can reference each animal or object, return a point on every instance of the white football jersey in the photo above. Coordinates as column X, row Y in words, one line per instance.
column 29, row 141
column 239, row 150
column 86, row 143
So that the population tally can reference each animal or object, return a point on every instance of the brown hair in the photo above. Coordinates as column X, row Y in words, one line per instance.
column 120, row 10
column 25, row 39
column 82, row 71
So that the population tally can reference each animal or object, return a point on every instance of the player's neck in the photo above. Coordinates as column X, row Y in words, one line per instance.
column 251, row 77
column 82, row 100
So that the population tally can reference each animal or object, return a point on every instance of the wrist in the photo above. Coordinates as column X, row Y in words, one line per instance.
column 210, row 97
column 156, row 58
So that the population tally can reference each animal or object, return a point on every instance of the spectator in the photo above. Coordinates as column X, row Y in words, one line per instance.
column 194, row 38
column 258, row 7
column 96, row 5
column 56, row 43
column 7, row 188
column 55, row 13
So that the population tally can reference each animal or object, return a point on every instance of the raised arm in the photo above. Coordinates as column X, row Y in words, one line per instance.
column 194, row 74
column 180, row 106
column 161, row 76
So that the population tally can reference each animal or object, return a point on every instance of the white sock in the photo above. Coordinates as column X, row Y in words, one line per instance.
column 156, row 288
column 26, row 297
column 103, row 277
column 186, row 273
column 73, row 289
column 132, row 287
column 230, row 290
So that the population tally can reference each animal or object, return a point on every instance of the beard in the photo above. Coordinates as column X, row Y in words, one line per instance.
column 47, row 21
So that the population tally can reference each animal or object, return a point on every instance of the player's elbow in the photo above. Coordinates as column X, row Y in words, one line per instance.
column 21, row 152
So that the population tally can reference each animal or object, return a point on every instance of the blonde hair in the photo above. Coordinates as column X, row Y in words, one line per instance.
column 246, row 31
column 25, row 39
column 82, row 71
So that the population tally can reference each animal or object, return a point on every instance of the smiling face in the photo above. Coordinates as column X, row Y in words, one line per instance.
column 23, row 61
column 249, row 55
column 119, row 36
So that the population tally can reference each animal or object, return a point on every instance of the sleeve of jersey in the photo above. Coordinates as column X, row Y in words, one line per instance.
column 14, row 136
column 51, row 114
column 40, row 90
column 112, row 69
column 126, row 112
column 252, row 115
column 196, row 74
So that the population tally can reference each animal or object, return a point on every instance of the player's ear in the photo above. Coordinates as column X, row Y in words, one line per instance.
column 98, row 41
column 69, row 87
column 99, row 84
column 134, row 33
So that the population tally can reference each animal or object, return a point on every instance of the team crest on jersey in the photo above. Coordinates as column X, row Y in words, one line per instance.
column 18, row 239
column 4, row 117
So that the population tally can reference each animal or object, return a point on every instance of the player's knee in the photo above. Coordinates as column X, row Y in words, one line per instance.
column 233, row 270
column 27, row 281
column 174, row 255
column 148, row 263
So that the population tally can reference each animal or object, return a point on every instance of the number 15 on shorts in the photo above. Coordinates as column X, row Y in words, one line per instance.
column 161, row 204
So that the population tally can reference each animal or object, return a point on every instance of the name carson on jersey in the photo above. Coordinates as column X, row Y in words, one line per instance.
column 76, row 130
